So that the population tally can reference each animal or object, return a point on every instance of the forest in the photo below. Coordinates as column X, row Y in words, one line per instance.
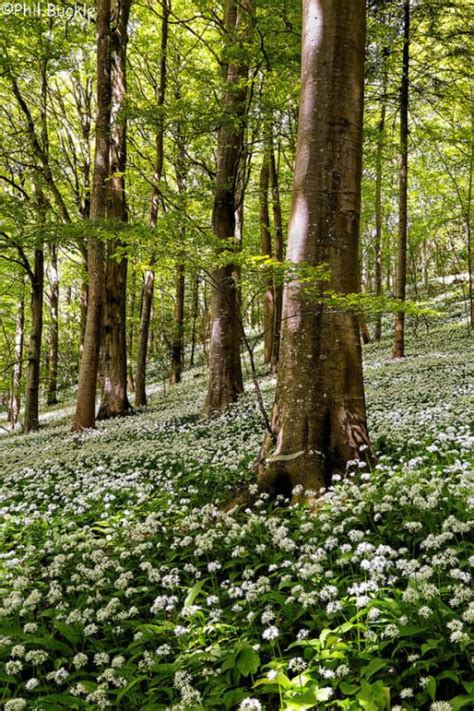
column 236, row 355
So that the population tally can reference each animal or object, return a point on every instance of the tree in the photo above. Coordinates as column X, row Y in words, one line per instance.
column 114, row 401
column 149, row 277
column 53, row 356
column 266, row 248
column 319, row 416
column 278, row 233
column 87, row 388
column 15, row 388
column 398, row 349
column 225, row 369
column 36, row 275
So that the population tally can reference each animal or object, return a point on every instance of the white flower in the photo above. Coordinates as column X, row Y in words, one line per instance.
column 250, row 704
column 15, row 705
column 270, row 633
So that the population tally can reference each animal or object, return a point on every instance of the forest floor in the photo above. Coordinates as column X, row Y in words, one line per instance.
column 125, row 585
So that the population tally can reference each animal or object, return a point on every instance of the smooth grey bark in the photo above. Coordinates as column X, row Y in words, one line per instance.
column 278, row 253
column 266, row 251
column 225, row 382
column 319, row 416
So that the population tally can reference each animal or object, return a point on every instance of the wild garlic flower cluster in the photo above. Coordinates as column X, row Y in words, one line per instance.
column 123, row 579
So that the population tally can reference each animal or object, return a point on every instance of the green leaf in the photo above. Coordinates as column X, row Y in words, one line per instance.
column 193, row 593
column 374, row 697
column 248, row 661
column 348, row 689
column 375, row 665
column 460, row 702
column 431, row 688
column 280, row 680
column 67, row 631
column 61, row 699
column 123, row 692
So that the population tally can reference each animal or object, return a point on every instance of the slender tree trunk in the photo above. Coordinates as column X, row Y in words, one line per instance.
column 468, row 216
column 364, row 331
column 131, row 334
column 15, row 395
column 149, row 281
column 398, row 348
column 87, row 388
column 178, row 344
column 378, row 199
column 266, row 250
column 177, row 349
column 319, row 415
column 278, row 249
column 114, row 401
column 194, row 320
column 143, row 339
column 31, row 416
column 225, row 369
column 53, row 362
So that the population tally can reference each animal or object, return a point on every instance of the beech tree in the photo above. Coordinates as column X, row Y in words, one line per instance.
column 319, row 417
column 87, row 387
column 398, row 349
column 114, row 396
column 225, row 369
column 149, row 276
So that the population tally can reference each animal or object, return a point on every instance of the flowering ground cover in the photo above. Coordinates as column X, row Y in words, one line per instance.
column 125, row 584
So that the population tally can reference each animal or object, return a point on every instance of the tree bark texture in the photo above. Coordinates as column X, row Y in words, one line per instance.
column 398, row 348
column 31, row 415
column 87, row 387
column 278, row 253
column 378, row 207
column 15, row 392
column 114, row 401
column 177, row 347
column 266, row 251
column 149, row 278
column 319, row 415
column 53, row 362
column 225, row 370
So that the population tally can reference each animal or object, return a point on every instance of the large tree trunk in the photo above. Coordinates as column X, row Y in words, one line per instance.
column 319, row 415
column 149, row 279
column 114, row 401
column 31, row 416
column 398, row 348
column 53, row 361
column 278, row 250
column 87, row 388
column 225, row 369
column 266, row 250
column 15, row 393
